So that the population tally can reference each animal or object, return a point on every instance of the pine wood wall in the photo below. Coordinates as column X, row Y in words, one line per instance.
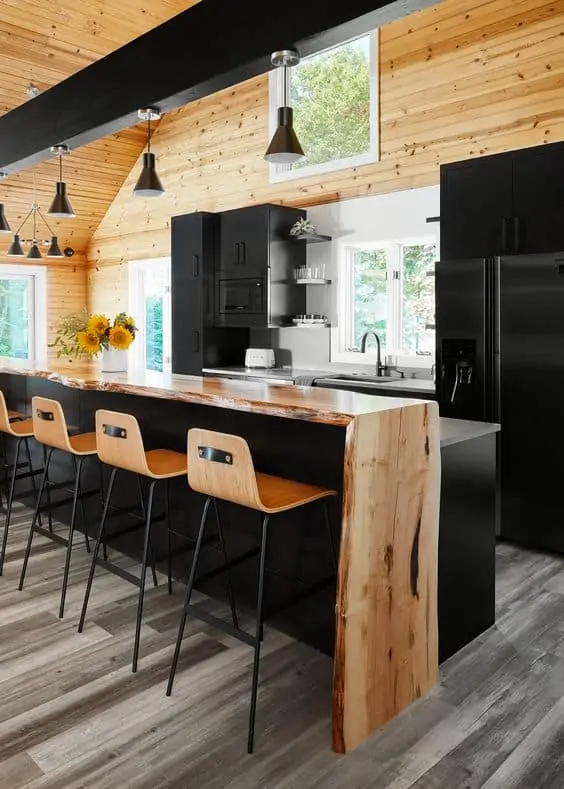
column 460, row 79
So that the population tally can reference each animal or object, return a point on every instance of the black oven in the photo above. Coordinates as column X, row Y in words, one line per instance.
column 240, row 299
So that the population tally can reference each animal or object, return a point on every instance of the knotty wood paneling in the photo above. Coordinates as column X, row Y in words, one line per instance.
column 460, row 79
column 44, row 43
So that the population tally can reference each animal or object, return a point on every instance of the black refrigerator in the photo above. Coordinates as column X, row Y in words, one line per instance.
column 500, row 358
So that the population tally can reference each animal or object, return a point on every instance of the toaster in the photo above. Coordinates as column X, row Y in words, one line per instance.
column 259, row 357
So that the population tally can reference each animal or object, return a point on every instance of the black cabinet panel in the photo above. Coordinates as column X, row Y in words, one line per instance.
column 192, row 248
column 539, row 200
column 243, row 242
column 476, row 207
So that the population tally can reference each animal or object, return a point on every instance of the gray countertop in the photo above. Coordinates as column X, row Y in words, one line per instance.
column 305, row 377
column 453, row 431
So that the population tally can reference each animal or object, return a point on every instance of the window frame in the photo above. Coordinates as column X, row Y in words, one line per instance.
column 136, row 279
column 284, row 172
column 37, row 315
column 341, row 334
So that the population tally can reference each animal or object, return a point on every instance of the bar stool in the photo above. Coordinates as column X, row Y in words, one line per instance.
column 50, row 429
column 221, row 467
column 120, row 445
column 15, row 425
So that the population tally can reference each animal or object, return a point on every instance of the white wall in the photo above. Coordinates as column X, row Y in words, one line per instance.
column 398, row 215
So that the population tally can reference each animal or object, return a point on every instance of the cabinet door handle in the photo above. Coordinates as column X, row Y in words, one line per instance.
column 516, row 234
column 196, row 341
column 195, row 265
column 236, row 254
column 243, row 250
column 505, row 235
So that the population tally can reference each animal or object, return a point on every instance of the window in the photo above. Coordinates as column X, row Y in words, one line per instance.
column 334, row 95
column 390, row 289
column 149, row 300
column 23, row 302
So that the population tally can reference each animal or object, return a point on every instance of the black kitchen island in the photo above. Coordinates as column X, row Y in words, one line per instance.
column 303, row 434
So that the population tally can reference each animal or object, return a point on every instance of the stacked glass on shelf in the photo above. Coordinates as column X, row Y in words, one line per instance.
column 312, row 272
column 310, row 319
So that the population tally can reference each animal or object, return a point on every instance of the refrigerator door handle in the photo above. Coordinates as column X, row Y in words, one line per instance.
column 516, row 234
column 505, row 234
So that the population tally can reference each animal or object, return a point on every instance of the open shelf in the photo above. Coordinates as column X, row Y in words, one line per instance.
column 312, row 281
column 312, row 238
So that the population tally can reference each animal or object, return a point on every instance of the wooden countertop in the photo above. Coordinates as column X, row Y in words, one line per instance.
column 311, row 404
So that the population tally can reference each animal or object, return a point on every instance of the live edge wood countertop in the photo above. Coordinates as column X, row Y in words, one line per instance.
column 313, row 404
column 386, row 643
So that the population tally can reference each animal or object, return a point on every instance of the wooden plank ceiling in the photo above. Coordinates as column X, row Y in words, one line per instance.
column 42, row 44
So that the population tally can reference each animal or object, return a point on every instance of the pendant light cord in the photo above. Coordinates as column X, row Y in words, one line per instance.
column 60, row 167
column 149, row 134
column 285, row 85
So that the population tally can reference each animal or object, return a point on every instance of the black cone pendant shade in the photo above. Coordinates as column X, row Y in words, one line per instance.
column 285, row 147
column 61, row 207
column 34, row 252
column 149, row 184
column 16, row 250
column 54, row 250
column 4, row 226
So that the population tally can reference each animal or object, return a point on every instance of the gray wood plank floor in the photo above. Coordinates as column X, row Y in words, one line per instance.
column 72, row 716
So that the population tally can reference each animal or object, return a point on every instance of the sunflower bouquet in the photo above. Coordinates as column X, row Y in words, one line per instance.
column 86, row 335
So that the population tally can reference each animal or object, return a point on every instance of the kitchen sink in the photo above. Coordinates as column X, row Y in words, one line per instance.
column 360, row 377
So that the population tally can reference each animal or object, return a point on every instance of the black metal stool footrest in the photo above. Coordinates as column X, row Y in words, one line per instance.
column 51, row 535
column 210, row 619
column 117, row 570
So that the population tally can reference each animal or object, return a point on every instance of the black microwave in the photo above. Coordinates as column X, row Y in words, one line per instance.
column 241, row 297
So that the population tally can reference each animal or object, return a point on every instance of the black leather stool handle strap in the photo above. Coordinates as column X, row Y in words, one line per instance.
column 114, row 431
column 215, row 455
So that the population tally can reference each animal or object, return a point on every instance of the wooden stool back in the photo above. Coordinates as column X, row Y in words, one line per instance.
column 49, row 423
column 119, row 442
column 5, row 426
column 220, row 465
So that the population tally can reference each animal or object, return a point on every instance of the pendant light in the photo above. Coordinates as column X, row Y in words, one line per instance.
column 16, row 249
column 148, row 184
column 61, row 207
column 285, row 147
column 4, row 226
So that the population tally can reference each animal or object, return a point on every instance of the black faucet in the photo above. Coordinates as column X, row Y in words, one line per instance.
column 380, row 369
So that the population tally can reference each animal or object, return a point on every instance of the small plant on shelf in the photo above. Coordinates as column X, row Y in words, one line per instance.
column 302, row 227
column 83, row 335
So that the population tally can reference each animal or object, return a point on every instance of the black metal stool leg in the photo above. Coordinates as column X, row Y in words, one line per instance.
column 9, row 504
column 260, row 598
column 168, row 534
column 81, row 504
column 100, row 537
column 48, row 490
column 143, row 575
column 33, row 480
column 329, row 528
column 189, row 588
column 72, row 526
column 151, row 558
column 229, row 584
column 44, row 477
column 102, row 494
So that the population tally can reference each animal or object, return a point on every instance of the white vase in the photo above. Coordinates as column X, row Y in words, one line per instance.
column 113, row 361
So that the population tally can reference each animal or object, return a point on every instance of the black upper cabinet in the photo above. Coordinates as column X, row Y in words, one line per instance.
column 538, row 200
column 193, row 237
column 255, row 264
column 508, row 204
column 243, row 241
column 476, row 206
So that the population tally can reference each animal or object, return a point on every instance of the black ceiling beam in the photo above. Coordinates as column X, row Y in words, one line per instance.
column 214, row 44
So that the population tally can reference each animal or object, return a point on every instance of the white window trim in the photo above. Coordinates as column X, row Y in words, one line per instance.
column 136, row 272
column 280, row 172
column 340, row 332
column 37, row 317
